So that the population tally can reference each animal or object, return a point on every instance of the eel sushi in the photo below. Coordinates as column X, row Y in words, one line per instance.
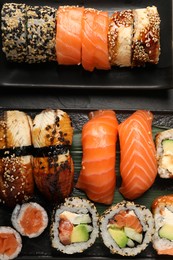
column 74, row 225
column 126, row 228
column 138, row 164
column 53, row 167
column 29, row 219
column 13, row 27
column 97, row 177
column 10, row 243
column 16, row 175
column 164, row 152
column 162, row 208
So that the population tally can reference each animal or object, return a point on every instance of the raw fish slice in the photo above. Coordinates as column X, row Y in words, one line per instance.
column 138, row 165
column 97, row 177
column 94, row 40
column 68, row 35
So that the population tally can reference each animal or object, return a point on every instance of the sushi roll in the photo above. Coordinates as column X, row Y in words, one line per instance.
column 74, row 225
column 29, row 219
column 164, row 153
column 126, row 228
column 53, row 167
column 16, row 175
column 10, row 243
column 162, row 208
column 120, row 35
column 41, row 34
column 13, row 27
column 146, row 39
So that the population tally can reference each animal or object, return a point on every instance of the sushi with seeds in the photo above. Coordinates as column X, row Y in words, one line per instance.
column 126, row 228
column 74, row 225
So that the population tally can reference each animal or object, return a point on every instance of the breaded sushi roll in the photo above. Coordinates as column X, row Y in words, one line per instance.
column 13, row 27
column 74, row 225
column 16, row 175
column 146, row 39
column 53, row 167
column 29, row 219
column 164, row 153
column 126, row 228
column 10, row 243
column 120, row 36
column 162, row 208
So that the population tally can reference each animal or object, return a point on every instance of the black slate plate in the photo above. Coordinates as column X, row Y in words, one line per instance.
column 40, row 247
column 51, row 75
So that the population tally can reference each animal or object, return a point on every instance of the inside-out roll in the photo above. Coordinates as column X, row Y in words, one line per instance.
column 126, row 228
column 162, row 208
column 74, row 225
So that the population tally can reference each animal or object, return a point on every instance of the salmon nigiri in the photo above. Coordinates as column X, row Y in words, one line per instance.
column 68, row 34
column 94, row 40
column 97, row 177
column 138, row 165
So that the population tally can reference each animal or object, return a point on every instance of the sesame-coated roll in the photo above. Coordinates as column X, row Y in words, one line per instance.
column 120, row 38
column 13, row 27
column 10, row 243
column 74, row 225
column 126, row 228
column 41, row 33
column 146, row 40
column 16, row 176
column 52, row 164
column 162, row 208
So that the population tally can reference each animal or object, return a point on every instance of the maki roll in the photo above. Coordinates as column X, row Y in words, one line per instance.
column 41, row 34
column 13, row 27
column 52, row 163
column 126, row 228
column 164, row 150
column 29, row 219
column 10, row 243
column 74, row 225
column 16, row 176
column 162, row 208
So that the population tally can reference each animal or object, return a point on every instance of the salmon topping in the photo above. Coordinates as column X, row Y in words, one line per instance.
column 32, row 220
column 8, row 243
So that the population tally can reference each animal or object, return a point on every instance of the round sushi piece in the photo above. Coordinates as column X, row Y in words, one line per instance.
column 29, row 219
column 164, row 153
column 126, row 228
column 10, row 243
column 74, row 225
column 162, row 209
column 120, row 35
column 13, row 27
column 41, row 33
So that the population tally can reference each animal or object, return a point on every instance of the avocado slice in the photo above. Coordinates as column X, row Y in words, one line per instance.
column 168, row 145
column 132, row 234
column 119, row 236
column 166, row 231
column 80, row 233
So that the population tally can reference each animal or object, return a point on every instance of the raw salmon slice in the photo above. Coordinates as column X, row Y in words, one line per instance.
column 138, row 165
column 94, row 40
column 68, row 34
column 97, row 177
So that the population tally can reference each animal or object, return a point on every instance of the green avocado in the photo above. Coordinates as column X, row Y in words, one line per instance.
column 168, row 145
column 119, row 236
column 166, row 231
column 80, row 233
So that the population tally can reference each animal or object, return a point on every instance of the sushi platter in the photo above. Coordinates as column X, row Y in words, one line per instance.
column 42, row 67
column 44, row 245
